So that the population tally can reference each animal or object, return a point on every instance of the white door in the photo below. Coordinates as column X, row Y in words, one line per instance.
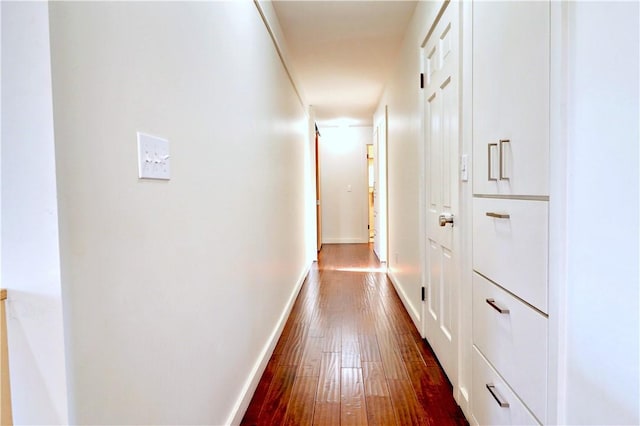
column 440, row 309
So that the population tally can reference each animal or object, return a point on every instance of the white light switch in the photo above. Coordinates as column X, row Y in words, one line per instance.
column 154, row 160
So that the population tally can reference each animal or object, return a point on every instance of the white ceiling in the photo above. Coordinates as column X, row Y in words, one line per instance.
column 343, row 52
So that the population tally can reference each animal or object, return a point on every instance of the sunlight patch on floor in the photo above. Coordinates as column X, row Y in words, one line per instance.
column 367, row 269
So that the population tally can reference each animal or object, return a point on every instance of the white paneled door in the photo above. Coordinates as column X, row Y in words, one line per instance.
column 440, row 309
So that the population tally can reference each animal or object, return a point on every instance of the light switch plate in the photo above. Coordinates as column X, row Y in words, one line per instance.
column 154, row 161
column 464, row 168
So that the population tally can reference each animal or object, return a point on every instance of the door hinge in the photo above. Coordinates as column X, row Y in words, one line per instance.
column 424, row 295
column 368, row 226
column 422, row 80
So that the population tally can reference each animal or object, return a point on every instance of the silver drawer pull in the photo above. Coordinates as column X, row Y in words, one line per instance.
column 498, row 215
column 496, row 395
column 495, row 306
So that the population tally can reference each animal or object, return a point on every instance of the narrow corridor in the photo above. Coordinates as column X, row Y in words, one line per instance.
column 349, row 354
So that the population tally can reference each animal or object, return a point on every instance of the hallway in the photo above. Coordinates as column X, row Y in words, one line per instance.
column 167, row 170
column 349, row 354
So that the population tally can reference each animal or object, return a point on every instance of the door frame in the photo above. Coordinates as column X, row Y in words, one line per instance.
column 318, row 200
column 371, row 174
column 381, row 121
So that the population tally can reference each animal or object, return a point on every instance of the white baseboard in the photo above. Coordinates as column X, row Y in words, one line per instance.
column 339, row 240
column 462, row 398
column 413, row 312
column 251, row 384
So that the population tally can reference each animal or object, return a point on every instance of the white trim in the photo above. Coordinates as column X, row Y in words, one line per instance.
column 348, row 240
column 557, row 356
column 380, row 126
column 250, row 385
column 411, row 310
column 265, row 9
column 462, row 392
column 312, row 215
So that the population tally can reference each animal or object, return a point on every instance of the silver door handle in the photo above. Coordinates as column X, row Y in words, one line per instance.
column 445, row 218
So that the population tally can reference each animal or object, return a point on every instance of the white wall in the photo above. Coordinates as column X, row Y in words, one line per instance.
column 30, row 259
column 173, row 289
column 602, row 331
column 344, row 186
column 405, row 189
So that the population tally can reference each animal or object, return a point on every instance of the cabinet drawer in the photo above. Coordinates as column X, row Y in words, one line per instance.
column 515, row 342
column 489, row 391
column 510, row 246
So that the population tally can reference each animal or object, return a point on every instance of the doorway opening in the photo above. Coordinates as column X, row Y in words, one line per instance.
column 371, row 192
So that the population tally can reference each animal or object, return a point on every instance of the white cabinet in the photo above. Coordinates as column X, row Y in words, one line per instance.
column 510, row 117
column 511, row 98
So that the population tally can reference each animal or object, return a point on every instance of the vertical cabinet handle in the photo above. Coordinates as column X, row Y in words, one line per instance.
column 495, row 306
column 496, row 395
column 490, row 162
column 502, row 173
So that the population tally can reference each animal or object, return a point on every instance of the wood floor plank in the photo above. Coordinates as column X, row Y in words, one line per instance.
column 326, row 414
column 369, row 350
column 302, row 402
column 407, row 409
column 353, row 409
column 375, row 382
column 391, row 359
column 329, row 379
column 409, row 349
column 432, row 390
column 332, row 340
column 294, row 347
column 276, row 402
column 380, row 411
column 284, row 337
column 311, row 357
column 350, row 350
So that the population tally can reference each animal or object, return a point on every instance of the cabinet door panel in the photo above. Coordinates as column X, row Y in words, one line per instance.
column 511, row 98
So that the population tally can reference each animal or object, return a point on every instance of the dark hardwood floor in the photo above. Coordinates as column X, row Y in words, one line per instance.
column 350, row 354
